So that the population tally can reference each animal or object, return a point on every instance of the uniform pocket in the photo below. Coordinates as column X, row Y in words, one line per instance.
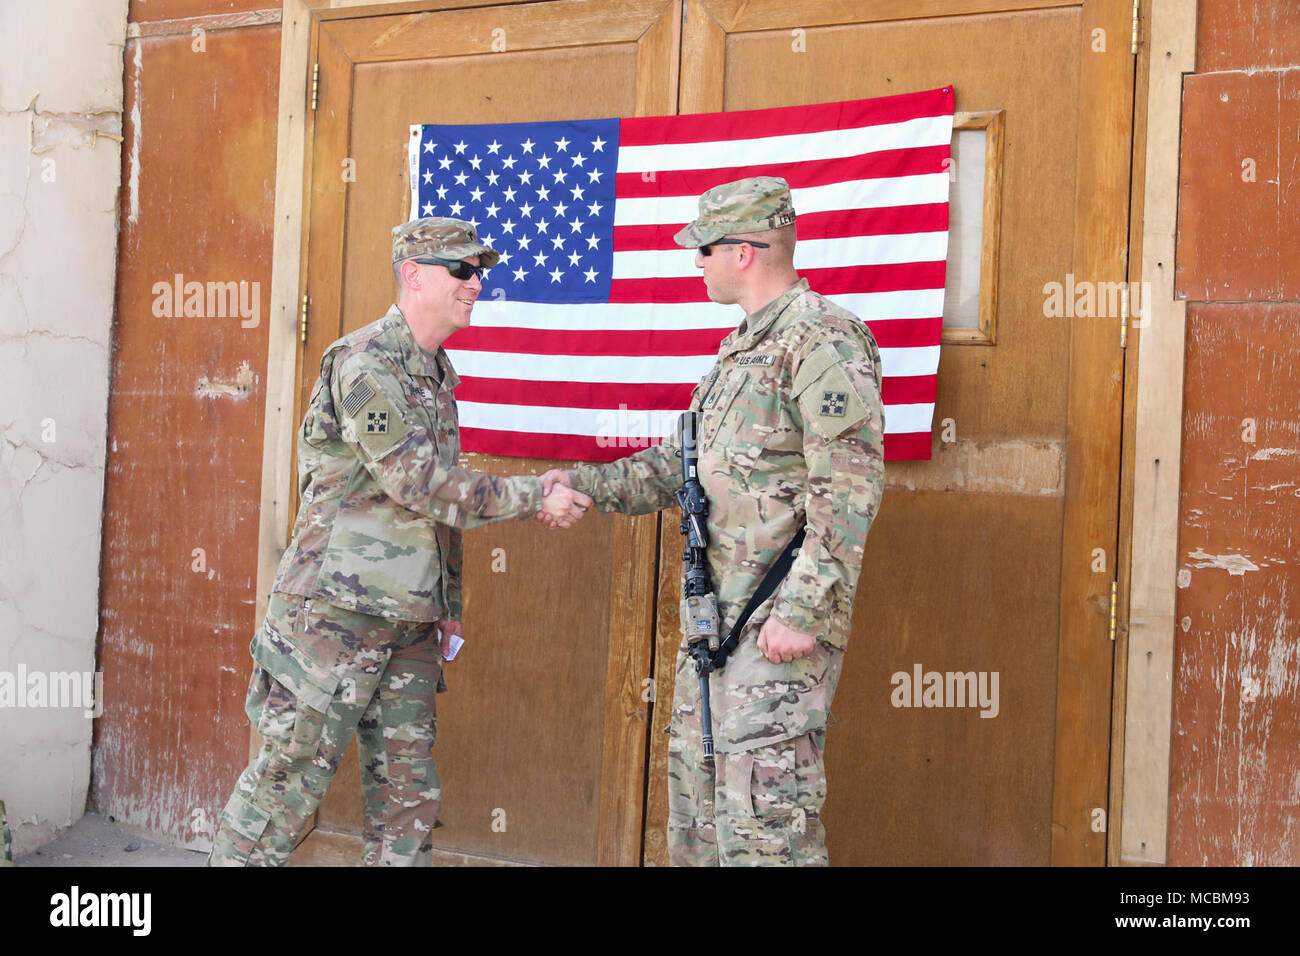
column 719, row 424
column 307, row 679
column 773, row 781
column 292, row 724
column 290, row 691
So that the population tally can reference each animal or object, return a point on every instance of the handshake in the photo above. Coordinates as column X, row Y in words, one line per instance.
column 562, row 507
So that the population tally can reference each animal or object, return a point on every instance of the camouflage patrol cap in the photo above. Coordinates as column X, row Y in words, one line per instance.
column 747, row 205
column 441, row 237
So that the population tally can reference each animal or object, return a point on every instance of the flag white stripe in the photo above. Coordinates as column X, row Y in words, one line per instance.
column 921, row 189
column 808, row 254
column 531, row 367
column 413, row 159
column 787, row 148
column 637, row 423
column 615, row 316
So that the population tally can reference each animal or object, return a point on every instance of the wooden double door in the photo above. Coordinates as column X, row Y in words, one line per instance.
column 995, row 557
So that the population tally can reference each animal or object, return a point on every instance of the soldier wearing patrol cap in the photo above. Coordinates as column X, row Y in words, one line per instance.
column 790, row 436
column 350, row 642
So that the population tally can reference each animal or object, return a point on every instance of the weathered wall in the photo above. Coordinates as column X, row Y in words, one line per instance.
column 185, row 424
column 60, row 125
column 1235, row 761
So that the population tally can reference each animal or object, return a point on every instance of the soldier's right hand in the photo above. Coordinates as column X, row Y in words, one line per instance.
column 563, row 507
column 549, row 480
column 551, row 477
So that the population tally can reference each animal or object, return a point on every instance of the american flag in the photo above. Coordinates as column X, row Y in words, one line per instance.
column 594, row 327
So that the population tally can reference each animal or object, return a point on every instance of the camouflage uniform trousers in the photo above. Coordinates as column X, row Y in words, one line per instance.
column 759, row 806
column 321, row 673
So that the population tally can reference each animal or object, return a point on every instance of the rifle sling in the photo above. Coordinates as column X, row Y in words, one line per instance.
column 779, row 569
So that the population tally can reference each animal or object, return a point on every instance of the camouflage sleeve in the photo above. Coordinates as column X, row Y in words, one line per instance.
column 837, row 395
column 635, row 485
column 638, row 484
column 397, row 451
column 455, row 558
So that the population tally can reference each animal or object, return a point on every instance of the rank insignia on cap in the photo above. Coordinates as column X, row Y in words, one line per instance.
column 834, row 403
column 377, row 422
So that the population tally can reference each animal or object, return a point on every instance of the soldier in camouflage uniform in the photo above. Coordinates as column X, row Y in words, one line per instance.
column 372, row 576
column 6, row 841
column 790, row 435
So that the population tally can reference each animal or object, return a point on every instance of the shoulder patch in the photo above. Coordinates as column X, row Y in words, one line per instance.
column 831, row 405
column 371, row 420
column 360, row 394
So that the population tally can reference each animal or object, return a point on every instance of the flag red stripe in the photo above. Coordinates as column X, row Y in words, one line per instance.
column 903, row 446
column 906, row 333
column 783, row 120
column 908, row 390
column 836, row 224
column 888, row 163
column 511, row 391
column 895, row 277
column 534, row 445
column 889, row 333
column 897, row 390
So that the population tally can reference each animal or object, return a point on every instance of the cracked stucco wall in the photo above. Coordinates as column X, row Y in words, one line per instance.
column 60, row 168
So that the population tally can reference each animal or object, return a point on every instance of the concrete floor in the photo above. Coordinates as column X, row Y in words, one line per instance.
column 98, row 841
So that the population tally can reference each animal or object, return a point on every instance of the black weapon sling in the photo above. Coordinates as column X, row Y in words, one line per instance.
column 775, row 574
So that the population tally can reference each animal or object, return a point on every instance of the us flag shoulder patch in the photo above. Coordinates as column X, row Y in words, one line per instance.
column 360, row 394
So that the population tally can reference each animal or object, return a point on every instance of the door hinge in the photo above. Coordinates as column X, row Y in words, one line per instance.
column 1114, row 589
column 315, row 85
column 302, row 321
column 1123, row 317
column 1134, row 47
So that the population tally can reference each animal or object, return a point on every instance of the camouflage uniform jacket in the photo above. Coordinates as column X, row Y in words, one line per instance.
column 383, row 498
column 791, row 435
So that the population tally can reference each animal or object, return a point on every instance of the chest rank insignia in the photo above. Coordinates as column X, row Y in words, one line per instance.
column 377, row 422
column 834, row 403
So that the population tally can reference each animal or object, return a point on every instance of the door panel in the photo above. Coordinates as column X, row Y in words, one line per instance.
column 541, row 739
column 982, row 559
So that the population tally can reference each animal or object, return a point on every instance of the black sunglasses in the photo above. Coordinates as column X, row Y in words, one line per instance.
column 459, row 270
column 708, row 250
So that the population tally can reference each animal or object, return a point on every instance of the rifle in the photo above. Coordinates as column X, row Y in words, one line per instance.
column 701, row 602
column 704, row 647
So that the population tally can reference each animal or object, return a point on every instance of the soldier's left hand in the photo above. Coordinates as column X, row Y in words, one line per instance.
column 781, row 644
column 448, row 628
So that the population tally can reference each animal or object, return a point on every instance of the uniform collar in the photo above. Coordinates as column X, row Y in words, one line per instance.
column 417, row 361
column 757, row 324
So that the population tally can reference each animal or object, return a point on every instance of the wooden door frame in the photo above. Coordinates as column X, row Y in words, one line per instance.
column 1152, row 419
column 1153, row 422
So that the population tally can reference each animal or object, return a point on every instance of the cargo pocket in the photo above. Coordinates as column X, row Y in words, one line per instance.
column 242, row 825
column 289, row 697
